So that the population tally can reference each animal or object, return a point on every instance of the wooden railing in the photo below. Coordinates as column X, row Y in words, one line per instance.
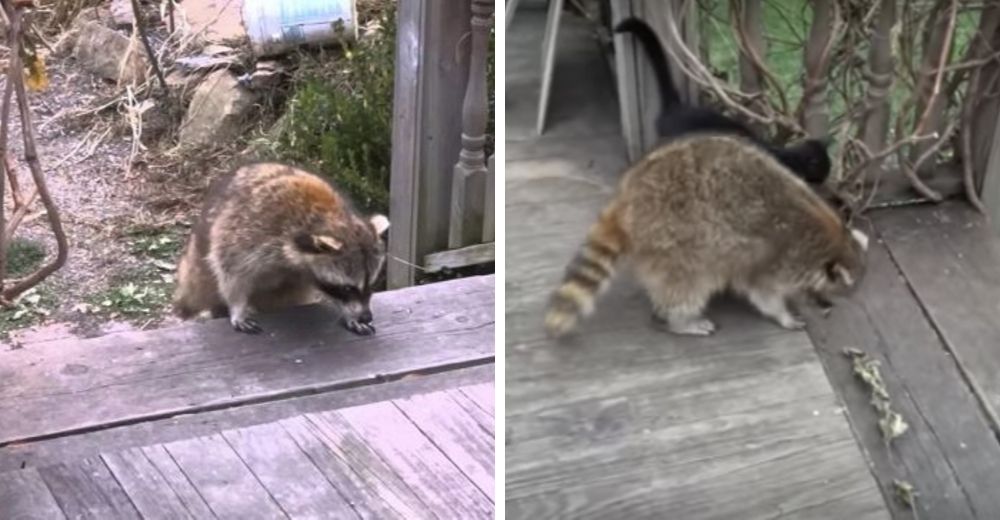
column 441, row 190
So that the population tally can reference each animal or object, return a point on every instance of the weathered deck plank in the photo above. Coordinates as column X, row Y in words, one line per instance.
column 74, row 447
column 129, row 377
column 456, row 433
column 482, row 413
column 359, row 474
column 950, row 453
column 87, row 489
column 24, row 495
column 951, row 260
column 179, row 484
column 371, row 461
column 151, row 492
column 483, row 395
column 427, row 471
column 223, row 480
column 287, row 473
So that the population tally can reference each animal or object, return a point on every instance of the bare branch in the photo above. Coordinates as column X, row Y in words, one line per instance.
column 968, row 176
column 930, row 103
column 879, row 76
column 812, row 110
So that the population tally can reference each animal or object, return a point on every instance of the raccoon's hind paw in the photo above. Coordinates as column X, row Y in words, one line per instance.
column 690, row 327
column 247, row 326
column 361, row 329
column 699, row 327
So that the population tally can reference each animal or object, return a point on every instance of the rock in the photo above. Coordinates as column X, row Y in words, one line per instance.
column 182, row 81
column 100, row 15
column 217, row 111
column 204, row 62
column 266, row 75
column 121, row 13
column 218, row 50
column 101, row 51
column 66, row 42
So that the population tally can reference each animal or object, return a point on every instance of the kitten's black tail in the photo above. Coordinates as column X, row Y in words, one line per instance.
column 657, row 58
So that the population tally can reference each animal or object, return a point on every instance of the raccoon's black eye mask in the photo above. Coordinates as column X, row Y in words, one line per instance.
column 342, row 292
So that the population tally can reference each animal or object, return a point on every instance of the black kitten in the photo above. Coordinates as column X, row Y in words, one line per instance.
column 808, row 158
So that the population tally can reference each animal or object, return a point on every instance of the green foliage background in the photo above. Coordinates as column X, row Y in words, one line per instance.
column 338, row 120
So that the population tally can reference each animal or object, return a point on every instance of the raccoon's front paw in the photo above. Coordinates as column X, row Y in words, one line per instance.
column 246, row 325
column 791, row 322
column 359, row 328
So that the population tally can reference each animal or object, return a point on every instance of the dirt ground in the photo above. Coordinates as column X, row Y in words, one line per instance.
column 124, row 212
column 105, row 212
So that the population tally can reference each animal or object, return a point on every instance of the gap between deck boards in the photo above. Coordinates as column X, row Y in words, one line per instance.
column 262, row 399
column 981, row 398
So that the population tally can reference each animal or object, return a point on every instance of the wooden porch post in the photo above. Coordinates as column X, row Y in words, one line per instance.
column 991, row 179
column 426, row 135
column 469, row 182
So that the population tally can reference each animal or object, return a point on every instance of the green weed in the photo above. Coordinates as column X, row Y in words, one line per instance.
column 24, row 256
column 30, row 308
column 135, row 293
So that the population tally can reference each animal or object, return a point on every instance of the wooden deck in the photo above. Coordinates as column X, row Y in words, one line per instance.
column 624, row 421
column 303, row 421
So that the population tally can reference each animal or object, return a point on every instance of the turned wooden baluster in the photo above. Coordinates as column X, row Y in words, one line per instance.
column 468, row 193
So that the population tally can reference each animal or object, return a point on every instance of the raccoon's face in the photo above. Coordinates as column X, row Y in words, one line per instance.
column 842, row 273
column 347, row 266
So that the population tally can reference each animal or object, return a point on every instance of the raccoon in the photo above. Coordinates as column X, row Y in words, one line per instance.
column 704, row 214
column 808, row 158
column 273, row 236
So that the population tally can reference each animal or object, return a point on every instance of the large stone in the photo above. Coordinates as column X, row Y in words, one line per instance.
column 102, row 51
column 121, row 13
column 218, row 111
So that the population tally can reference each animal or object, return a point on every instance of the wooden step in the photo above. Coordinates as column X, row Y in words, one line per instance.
column 64, row 387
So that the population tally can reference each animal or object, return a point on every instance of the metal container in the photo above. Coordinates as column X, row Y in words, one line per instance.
column 277, row 26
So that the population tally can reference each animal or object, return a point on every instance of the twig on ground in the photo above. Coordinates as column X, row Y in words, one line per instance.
column 866, row 368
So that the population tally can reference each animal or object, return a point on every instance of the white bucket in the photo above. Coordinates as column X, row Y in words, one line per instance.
column 276, row 26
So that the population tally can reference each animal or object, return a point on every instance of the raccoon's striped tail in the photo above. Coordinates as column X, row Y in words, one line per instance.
column 587, row 275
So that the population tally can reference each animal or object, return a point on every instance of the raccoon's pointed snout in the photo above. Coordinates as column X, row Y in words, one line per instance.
column 365, row 316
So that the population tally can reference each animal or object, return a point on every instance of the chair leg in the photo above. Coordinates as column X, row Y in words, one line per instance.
column 509, row 9
column 548, row 59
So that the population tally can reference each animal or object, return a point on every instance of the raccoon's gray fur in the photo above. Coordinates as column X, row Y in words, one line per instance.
column 271, row 236
column 704, row 214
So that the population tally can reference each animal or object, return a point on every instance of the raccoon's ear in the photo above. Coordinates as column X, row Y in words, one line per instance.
column 317, row 244
column 380, row 222
column 839, row 274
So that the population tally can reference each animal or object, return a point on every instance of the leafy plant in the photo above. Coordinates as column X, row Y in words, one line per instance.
column 339, row 121
column 159, row 246
column 29, row 308
column 136, row 292
column 133, row 299
column 24, row 256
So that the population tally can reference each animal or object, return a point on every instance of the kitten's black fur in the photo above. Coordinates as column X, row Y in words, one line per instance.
column 808, row 158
